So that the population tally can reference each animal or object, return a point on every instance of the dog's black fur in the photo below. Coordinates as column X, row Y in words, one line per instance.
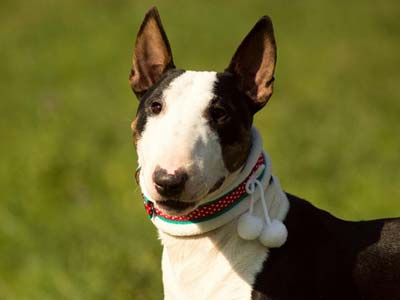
column 328, row 258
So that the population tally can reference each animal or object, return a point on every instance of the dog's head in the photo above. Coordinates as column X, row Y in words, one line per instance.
column 193, row 129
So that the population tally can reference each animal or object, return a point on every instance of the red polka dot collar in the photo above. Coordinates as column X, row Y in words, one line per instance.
column 209, row 210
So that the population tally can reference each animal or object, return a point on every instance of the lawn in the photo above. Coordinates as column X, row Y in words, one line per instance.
column 72, row 225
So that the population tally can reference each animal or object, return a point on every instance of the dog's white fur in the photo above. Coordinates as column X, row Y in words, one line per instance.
column 217, row 265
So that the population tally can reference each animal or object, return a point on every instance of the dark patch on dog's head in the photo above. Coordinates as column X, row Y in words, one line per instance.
column 152, row 94
column 242, row 90
column 230, row 116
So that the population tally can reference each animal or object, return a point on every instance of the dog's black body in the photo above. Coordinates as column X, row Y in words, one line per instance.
column 328, row 258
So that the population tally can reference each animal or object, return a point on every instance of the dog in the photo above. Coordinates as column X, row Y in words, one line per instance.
column 228, row 230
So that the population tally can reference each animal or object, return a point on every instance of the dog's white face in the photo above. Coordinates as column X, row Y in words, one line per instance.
column 179, row 137
column 192, row 130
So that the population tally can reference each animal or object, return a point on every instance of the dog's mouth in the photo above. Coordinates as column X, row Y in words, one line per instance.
column 175, row 207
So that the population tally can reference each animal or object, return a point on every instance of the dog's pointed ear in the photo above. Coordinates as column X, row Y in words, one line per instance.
column 152, row 56
column 253, row 64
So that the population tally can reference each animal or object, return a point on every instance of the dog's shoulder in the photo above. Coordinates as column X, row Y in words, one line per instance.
column 326, row 257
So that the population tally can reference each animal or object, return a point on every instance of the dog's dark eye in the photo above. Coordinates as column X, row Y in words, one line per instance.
column 156, row 107
column 218, row 113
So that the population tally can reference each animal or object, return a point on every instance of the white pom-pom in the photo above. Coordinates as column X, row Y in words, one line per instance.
column 274, row 235
column 249, row 226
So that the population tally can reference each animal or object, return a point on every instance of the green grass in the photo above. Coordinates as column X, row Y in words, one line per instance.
column 72, row 225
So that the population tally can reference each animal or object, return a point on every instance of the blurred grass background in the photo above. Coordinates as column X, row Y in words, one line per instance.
column 72, row 224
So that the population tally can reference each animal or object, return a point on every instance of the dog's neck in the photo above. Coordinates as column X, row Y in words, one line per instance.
column 186, row 226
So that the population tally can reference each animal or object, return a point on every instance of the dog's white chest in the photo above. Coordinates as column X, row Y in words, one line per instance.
column 217, row 266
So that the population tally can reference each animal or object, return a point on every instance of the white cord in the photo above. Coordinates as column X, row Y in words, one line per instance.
column 263, row 202
column 251, row 186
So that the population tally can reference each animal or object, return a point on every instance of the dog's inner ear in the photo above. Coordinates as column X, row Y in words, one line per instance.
column 253, row 64
column 152, row 55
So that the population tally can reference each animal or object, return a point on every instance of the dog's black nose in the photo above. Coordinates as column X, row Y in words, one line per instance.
column 169, row 185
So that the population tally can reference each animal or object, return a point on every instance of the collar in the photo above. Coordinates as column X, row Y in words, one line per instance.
column 211, row 209
column 228, row 205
